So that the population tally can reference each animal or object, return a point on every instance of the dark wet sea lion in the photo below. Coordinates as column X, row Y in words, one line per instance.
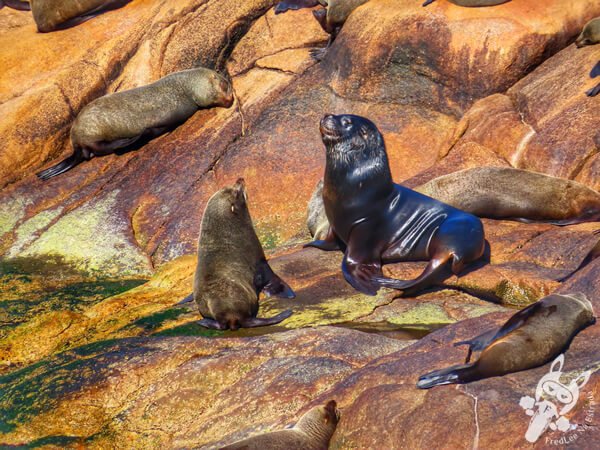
column 16, row 4
column 232, row 269
column 51, row 15
column 472, row 3
column 119, row 120
column 532, row 337
column 590, row 34
column 377, row 222
column 332, row 19
column 595, row 72
column 507, row 193
column 312, row 432
column 293, row 5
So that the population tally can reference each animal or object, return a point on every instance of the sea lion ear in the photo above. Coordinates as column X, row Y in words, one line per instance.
column 239, row 190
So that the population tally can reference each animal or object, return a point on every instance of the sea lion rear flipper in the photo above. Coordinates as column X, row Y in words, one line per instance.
column 253, row 322
column 593, row 91
column 428, row 2
column 450, row 375
column 293, row 5
column 188, row 299
column 61, row 167
column 270, row 283
column 330, row 243
column 595, row 70
column 17, row 4
column 211, row 323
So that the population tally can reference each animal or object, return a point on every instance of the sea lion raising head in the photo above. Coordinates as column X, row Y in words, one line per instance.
column 121, row 119
column 590, row 35
column 312, row 432
column 232, row 269
column 375, row 221
column 532, row 337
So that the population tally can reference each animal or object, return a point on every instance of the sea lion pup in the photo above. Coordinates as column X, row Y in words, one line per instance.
column 51, row 15
column 472, row 3
column 332, row 19
column 312, row 432
column 593, row 74
column 377, row 222
column 118, row 120
column 232, row 268
column 507, row 193
column 16, row 4
column 317, row 222
column 293, row 5
column 530, row 338
column 590, row 34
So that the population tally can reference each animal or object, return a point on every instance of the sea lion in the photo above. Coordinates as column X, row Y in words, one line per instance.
column 51, row 15
column 472, row 3
column 293, row 5
column 507, row 193
column 332, row 19
column 376, row 221
column 317, row 222
column 312, row 432
column 232, row 269
column 530, row 338
column 595, row 72
column 590, row 34
column 16, row 4
column 118, row 120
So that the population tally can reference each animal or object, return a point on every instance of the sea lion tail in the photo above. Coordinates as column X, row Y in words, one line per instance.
column 593, row 91
column 449, row 375
column 59, row 168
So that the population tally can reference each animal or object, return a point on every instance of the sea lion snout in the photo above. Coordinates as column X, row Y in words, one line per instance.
column 329, row 128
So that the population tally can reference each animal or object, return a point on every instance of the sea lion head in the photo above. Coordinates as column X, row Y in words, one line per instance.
column 351, row 138
column 208, row 88
column 320, row 422
column 229, row 206
column 590, row 34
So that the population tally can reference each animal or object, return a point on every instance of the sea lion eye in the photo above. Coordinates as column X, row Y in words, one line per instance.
column 233, row 208
column 346, row 123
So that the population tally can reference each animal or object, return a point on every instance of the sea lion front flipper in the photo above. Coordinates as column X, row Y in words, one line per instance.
column 17, row 4
column 595, row 70
column 477, row 343
column 293, row 5
column 253, row 322
column 360, row 274
column 593, row 91
column 188, row 299
column 449, row 375
column 211, row 323
column 516, row 321
column 330, row 243
column 270, row 283
column 428, row 2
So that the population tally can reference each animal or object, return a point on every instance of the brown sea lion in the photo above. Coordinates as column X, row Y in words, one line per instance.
column 590, row 34
column 472, row 3
column 377, row 222
column 317, row 222
column 507, row 193
column 121, row 119
column 16, row 4
column 595, row 72
column 232, row 269
column 312, row 432
column 293, row 5
column 51, row 15
column 530, row 338
column 332, row 19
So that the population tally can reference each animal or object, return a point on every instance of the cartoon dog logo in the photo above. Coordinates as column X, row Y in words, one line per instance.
column 550, row 395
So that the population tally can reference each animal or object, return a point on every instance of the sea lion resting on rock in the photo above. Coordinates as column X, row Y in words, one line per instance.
column 376, row 221
column 120, row 119
column 504, row 193
column 16, row 4
column 51, row 15
column 232, row 268
column 530, row 338
column 590, row 34
column 312, row 432
column 472, row 3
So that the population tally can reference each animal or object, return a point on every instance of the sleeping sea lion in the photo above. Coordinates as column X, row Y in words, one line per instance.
column 118, row 120
column 530, row 338
column 312, row 432
column 377, row 222
column 232, row 269
column 20, row 5
column 472, row 3
column 293, row 5
column 51, row 15
column 332, row 19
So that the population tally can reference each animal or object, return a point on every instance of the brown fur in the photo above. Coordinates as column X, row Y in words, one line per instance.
column 312, row 432
column 317, row 222
column 51, row 15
